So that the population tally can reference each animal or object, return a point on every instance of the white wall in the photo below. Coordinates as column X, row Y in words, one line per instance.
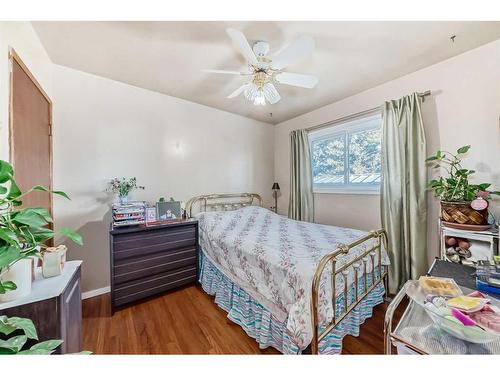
column 464, row 109
column 22, row 37
column 105, row 129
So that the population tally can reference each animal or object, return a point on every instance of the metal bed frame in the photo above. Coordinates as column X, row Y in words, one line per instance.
column 228, row 202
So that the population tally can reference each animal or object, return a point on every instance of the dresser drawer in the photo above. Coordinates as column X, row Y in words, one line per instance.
column 133, row 268
column 139, row 244
column 148, row 286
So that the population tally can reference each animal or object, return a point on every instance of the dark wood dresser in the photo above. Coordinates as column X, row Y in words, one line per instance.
column 146, row 261
column 55, row 307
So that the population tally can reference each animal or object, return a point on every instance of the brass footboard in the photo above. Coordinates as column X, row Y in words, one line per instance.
column 377, row 276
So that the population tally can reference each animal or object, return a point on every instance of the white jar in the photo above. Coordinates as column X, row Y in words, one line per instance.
column 20, row 273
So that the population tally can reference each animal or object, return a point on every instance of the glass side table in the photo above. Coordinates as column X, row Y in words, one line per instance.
column 415, row 332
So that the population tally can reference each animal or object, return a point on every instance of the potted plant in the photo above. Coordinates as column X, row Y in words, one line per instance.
column 23, row 233
column 462, row 203
column 123, row 187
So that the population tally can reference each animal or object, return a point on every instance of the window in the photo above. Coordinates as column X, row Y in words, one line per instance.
column 346, row 157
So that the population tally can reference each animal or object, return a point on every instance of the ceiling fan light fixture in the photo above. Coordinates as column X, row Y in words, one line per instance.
column 255, row 95
column 260, row 99
column 266, row 71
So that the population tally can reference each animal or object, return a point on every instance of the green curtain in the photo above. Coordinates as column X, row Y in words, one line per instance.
column 403, row 189
column 301, row 205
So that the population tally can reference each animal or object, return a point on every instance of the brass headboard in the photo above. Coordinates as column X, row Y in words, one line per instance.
column 222, row 202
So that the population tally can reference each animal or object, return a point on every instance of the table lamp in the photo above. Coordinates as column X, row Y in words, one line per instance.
column 276, row 189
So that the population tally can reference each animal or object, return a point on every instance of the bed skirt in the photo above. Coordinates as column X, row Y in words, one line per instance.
column 261, row 325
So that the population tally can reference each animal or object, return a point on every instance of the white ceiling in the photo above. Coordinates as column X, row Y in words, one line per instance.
column 168, row 56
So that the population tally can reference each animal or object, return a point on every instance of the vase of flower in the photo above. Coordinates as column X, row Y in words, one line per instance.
column 122, row 187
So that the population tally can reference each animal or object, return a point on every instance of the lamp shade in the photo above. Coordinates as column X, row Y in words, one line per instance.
column 276, row 186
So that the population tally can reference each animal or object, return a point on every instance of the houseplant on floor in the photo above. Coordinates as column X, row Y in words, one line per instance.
column 462, row 204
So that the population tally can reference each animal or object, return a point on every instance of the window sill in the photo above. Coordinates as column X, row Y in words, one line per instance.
column 346, row 191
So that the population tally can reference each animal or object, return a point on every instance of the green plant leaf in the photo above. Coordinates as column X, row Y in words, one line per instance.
column 40, row 234
column 61, row 193
column 72, row 235
column 47, row 345
column 35, row 352
column 483, row 186
column 17, row 203
column 14, row 190
column 463, row 149
column 43, row 213
column 15, row 343
column 6, row 171
column 26, row 325
column 7, row 351
column 9, row 236
column 8, row 285
column 5, row 327
column 3, row 189
column 83, row 352
column 44, row 188
column 30, row 217
column 8, row 254
column 40, row 188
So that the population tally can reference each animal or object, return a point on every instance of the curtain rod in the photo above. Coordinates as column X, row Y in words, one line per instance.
column 359, row 114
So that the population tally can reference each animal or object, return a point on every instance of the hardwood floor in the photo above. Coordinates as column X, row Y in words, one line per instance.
column 187, row 321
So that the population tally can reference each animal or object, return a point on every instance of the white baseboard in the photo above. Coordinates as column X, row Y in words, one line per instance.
column 96, row 292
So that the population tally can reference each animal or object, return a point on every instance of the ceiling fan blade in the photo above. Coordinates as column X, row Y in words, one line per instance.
column 241, row 42
column 238, row 91
column 271, row 94
column 218, row 71
column 294, row 79
column 299, row 49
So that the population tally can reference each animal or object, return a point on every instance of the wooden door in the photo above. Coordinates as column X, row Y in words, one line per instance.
column 30, row 134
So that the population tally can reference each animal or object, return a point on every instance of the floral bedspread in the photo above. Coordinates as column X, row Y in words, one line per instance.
column 274, row 259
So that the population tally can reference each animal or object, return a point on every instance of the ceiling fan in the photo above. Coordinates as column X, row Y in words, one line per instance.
column 265, row 70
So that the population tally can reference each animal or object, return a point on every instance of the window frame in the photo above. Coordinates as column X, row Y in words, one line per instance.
column 346, row 128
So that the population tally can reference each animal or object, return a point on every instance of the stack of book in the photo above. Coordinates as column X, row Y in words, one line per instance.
column 131, row 213
column 488, row 275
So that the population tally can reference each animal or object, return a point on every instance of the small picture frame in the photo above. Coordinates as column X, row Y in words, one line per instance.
column 168, row 211
column 150, row 215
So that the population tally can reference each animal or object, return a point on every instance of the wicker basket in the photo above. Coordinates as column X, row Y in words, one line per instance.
column 463, row 213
